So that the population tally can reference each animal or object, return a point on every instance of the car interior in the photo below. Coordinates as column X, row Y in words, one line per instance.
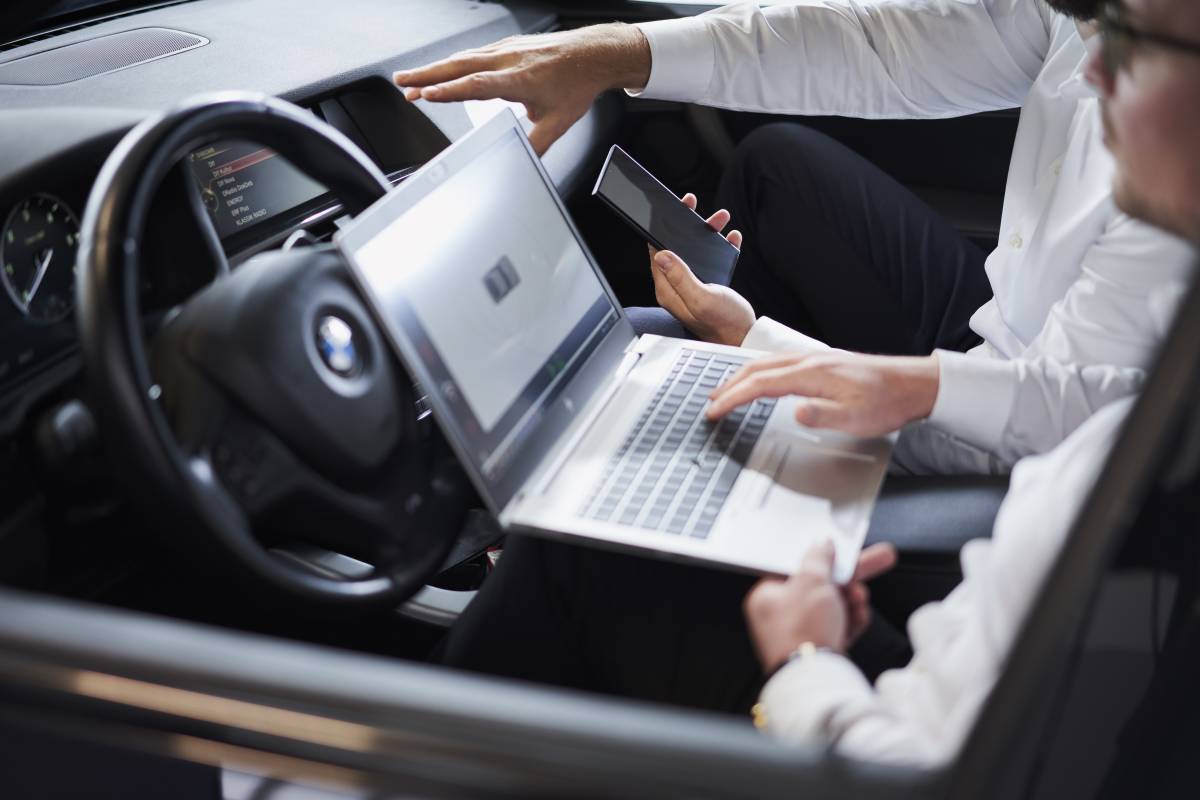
column 219, row 575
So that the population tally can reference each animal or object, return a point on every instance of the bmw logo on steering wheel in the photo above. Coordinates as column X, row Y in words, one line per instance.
column 336, row 345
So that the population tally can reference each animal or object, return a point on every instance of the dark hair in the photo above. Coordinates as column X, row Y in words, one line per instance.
column 1079, row 9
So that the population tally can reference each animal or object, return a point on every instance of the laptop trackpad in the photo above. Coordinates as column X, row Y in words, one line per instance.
column 843, row 477
column 826, row 483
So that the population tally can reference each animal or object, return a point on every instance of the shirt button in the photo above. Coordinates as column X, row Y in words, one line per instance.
column 1016, row 241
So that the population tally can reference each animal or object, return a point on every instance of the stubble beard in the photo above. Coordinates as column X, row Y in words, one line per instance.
column 1149, row 209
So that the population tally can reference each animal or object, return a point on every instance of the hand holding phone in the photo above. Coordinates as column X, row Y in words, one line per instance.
column 658, row 215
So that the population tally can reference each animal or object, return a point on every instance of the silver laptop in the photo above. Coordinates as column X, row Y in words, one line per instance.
column 570, row 425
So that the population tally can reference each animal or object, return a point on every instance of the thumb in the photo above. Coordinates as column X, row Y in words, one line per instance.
column 819, row 560
column 546, row 132
column 818, row 412
column 679, row 275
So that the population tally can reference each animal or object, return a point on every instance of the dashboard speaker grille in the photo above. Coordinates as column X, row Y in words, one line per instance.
column 97, row 56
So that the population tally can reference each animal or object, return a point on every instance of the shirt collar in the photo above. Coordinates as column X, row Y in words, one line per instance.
column 1076, row 86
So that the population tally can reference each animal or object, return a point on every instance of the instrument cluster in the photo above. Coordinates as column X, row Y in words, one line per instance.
column 250, row 195
column 39, row 242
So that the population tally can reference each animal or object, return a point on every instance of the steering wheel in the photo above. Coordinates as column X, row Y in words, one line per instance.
column 267, row 408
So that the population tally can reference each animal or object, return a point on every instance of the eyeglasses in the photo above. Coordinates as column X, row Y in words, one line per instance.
column 1119, row 39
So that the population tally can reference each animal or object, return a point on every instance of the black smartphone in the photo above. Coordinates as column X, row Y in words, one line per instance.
column 657, row 214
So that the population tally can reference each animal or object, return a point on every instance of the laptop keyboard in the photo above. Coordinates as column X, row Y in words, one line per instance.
column 675, row 469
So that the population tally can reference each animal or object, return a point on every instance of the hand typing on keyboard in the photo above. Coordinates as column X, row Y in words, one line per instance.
column 851, row 392
column 675, row 469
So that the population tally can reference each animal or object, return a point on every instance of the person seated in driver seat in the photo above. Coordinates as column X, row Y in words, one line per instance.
column 1005, row 355
column 659, row 631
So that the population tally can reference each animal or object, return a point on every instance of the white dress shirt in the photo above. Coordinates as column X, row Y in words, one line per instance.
column 922, row 713
column 1070, row 327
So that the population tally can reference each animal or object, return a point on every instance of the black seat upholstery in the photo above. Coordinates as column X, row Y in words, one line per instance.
column 936, row 515
column 929, row 519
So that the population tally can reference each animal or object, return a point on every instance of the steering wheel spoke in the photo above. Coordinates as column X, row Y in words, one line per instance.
column 215, row 497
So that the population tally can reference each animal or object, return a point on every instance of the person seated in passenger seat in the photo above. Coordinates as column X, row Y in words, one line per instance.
column 1002, row 356
column 667, row 632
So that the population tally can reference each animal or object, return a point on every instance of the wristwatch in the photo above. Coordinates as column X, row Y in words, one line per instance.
column 805, row 650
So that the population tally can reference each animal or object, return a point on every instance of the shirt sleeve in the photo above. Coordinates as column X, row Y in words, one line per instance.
column 862, row 58
column 773, row 337
column 1097, row 342
column 922, row 713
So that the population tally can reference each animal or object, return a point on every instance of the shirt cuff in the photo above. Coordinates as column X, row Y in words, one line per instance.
column 975, row 397
column 773, row 337
column 802, row 700
column 681, row 59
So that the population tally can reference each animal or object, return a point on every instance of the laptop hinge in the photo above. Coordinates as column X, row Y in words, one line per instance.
column 628, row 362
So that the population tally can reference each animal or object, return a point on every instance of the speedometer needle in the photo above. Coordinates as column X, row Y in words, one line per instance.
column 43, row 265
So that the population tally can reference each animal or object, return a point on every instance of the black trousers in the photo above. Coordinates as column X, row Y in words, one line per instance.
column 834, row 248
column 837, row 249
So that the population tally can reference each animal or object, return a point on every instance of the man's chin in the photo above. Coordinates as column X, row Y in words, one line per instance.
column 1143, row 206
column 1128, row 201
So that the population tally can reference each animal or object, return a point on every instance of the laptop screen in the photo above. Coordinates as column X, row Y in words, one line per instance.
column 484, row 286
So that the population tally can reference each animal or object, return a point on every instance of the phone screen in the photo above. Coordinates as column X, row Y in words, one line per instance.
column 651, row 208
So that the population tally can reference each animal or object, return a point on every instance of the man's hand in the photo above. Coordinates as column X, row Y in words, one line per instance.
column 858, row 394
column 556, row 76
column 810, row 607
column 712, row 312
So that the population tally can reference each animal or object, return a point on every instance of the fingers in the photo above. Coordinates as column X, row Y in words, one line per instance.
column 547, row 132
column 856, row 594
column 819, row 560
column 448, row 69
column 772, row 376
column 778, row 382
column 735, row 239
column 474, row 86
column 874, row 561
column 754, row 367
column 858, row 619
column 857, row 600
column 719, row 220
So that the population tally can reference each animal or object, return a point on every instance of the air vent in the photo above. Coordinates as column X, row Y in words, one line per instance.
column 97, row 56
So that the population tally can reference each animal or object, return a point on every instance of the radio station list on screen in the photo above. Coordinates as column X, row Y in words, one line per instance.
column 243, row 184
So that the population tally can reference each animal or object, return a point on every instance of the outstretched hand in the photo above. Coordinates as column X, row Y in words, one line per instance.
column 712, row 312
column 556, row 76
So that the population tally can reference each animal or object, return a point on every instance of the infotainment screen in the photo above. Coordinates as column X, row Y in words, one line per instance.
column 243, row 184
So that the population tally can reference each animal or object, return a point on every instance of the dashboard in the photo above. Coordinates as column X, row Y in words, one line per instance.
column 247, row 193
column 334, row 59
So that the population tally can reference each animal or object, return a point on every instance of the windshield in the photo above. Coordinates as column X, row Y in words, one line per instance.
column 30, row 17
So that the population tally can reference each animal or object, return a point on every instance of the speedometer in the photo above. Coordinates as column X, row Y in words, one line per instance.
column 38, row 245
